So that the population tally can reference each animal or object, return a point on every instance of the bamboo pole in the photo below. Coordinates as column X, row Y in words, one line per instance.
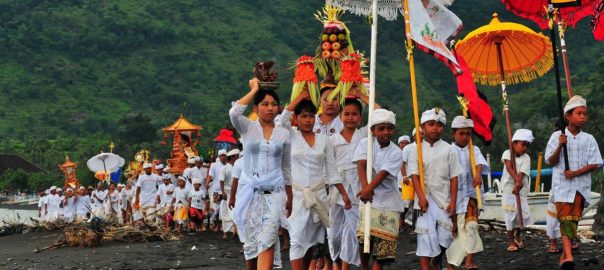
column 418, row 138
column 372, row 65
column 538, row 178
column 489, row 180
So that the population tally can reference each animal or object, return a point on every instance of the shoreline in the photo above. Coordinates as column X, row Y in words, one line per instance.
column 17, row 206
column 212, row 252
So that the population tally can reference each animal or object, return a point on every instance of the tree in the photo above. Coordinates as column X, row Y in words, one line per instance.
column 13, row 180
column 41, row 181
column 136, row 129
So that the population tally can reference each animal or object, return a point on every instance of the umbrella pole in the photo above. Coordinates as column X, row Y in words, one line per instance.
column 105, row 169
column 369, row 172
column 508, row 124
column 569, row 87
column 552, row 38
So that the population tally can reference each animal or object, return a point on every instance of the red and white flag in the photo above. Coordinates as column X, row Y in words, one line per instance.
column 432, row 27
column 479, row 109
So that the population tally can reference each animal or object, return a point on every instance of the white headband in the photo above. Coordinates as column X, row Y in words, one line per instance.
column 435, row 114
column 461, row 122
column 574, row 102
column 523, row 135
column 382, row 116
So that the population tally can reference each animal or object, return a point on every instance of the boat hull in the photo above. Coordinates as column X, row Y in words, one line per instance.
column 537, row 205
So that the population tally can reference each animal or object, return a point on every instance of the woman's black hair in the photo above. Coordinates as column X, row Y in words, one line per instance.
column 325, row 89
column 352, row 101
column 305, row 106
column 261, row 94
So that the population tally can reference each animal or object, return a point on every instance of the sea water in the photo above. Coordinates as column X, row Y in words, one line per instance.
column 17, row 215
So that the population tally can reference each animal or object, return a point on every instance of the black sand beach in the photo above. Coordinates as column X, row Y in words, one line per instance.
column 16, row 252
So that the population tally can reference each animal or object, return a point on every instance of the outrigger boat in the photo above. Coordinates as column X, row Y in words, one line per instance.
column 537, row 200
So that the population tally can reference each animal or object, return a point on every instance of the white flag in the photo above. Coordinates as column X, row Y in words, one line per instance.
column 432, row 27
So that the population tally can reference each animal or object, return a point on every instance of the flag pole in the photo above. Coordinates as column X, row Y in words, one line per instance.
column 372, row 64
column 418, row 138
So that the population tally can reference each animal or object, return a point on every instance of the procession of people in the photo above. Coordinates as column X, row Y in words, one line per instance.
column 303, row 181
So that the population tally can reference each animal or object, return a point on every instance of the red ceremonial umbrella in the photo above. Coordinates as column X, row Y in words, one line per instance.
column 597, row 23
column 563, row 13
column 536, row 10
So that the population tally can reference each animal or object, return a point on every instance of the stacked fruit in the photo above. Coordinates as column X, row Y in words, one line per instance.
column 334, row 42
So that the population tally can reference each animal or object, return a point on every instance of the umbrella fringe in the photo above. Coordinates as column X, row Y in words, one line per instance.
column 538, row 70
column 388, row 9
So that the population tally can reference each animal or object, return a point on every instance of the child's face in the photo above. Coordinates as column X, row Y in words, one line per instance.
column 196, row 186
column 462, row 136
column 433, row 130
column 520, row 147
column 383, row 133
column 351, row 116
column 306, row 121
column 402, row 144
column 577, row 117
column 181, row 183
column 329, row 107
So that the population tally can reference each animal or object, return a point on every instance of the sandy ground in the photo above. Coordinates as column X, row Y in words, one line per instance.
column 16, row 252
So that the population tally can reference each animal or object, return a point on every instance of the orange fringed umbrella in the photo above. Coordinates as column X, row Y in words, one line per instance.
column 526, row 55
column 506, row 53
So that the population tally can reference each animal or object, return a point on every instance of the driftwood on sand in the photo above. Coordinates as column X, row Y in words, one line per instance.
column 94, row 232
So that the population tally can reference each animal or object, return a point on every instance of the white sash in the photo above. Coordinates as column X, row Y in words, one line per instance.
column 311, row 201
column 245, row 193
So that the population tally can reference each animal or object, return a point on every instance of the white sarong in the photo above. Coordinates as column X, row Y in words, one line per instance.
column 433, row 230
column 257, row 214
column 510, row 215
column 308, row 220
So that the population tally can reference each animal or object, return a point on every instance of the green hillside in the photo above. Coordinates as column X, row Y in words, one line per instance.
column 75, row 75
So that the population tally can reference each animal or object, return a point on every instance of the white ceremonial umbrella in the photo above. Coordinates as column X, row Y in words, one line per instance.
column 107, row 162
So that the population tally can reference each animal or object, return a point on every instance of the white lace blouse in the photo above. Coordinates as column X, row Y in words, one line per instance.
column 262, row 156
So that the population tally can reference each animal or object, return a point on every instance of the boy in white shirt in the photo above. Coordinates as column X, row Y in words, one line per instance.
column 146, row 192
column 69, row 206
column 437, row 198
column 467, row 241
column 180, row 204
column 82, row 204
column 164, row 199
column 226, row 181
column 53, row 204
column 196, row 199
column 572, row 184
column 41, row 204
column 382, row 191
column 515, row 183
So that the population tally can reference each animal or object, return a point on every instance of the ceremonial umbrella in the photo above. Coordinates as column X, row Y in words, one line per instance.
column 597, row 23
column 571, row 12
column 506, row 53
column 548, row 14
column 105, row 162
